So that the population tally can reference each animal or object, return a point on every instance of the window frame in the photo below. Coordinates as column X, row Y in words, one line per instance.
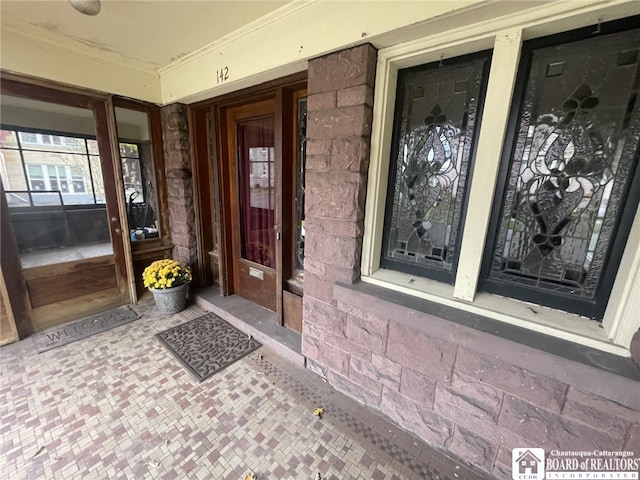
column 39, row 135
column 69, row 178
column 595, row 308
column 428, row 271
column 505, row 36
column 126, row 160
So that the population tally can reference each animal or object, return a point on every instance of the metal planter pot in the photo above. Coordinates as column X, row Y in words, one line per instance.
column 170, row 300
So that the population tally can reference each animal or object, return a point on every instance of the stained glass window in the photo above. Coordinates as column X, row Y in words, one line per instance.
column 437, row 113
column 570, row 172
column 301, row 142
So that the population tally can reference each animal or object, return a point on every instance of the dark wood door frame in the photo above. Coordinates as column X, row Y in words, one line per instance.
column 213, row 222
column 108, row 146
column 206, row 204
column 143, row 253
column 101, row 106
column 10, row 263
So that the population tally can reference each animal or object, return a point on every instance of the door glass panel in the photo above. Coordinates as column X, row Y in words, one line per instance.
column 92, row 145
column 138, row 173
column 257, row 190
column 54, row 188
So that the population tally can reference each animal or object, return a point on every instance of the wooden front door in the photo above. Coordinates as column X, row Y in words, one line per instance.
column 252, row 170
column 252, row 214
column 258, row 201
column 61, row 203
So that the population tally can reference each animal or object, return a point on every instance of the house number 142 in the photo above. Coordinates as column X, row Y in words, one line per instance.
column 222, row 75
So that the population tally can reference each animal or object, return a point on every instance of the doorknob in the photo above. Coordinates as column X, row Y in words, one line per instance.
column 118, row 231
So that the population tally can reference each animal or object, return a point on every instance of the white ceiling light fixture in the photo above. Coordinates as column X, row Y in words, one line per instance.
column 87, row 7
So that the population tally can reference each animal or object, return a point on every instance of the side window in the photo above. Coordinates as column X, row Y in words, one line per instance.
column 138, row 172
column 438, row 108
column 570, row 180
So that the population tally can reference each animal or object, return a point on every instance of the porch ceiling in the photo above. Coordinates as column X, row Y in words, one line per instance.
column 146, row 35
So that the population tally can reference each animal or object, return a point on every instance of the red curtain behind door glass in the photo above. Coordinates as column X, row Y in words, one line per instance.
column 257, row 190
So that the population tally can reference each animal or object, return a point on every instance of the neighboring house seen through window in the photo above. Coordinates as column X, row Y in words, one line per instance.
column 45, row 168
column 56, row 177
column 41, row 169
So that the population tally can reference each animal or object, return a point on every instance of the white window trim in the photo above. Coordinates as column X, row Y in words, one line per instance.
column 504, row 36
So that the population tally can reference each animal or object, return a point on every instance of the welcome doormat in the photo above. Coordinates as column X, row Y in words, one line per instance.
column 78, row 329
column 207, row 345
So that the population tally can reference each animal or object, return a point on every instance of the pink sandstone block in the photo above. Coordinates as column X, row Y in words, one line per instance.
column 350, row 154
column 335, row 227
column 473, row 448
column 324, row 315
column 429, row 425
column 339, row 196
column 341, row 122
column 388, row 370
column 475, row 398
column 546, row 427
column 414, row 349
column 370, row 332
column 536, row 388
column 418, row 387
column 633, row 440
column 339, row 70
column 358, row 95
column 361, row 373
column 353, row 389
column 599, row 413
column 321, row 101
column 344, row 344
column 364, row 367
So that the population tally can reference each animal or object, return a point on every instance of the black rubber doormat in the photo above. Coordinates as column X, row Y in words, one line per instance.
column 207, row 344
column 83, row 328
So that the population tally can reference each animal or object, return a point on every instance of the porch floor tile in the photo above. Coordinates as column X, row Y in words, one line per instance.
column 117, row 405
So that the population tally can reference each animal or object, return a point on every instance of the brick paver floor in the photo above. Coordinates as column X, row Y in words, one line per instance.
column 117, row 405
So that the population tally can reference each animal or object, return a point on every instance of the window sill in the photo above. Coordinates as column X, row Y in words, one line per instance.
column 528, row 316
column 586, row 368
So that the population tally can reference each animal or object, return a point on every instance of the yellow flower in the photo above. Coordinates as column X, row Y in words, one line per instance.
column 166, row 273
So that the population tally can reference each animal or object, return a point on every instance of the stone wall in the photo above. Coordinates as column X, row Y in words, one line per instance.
column 175, row 134
column 469, row 392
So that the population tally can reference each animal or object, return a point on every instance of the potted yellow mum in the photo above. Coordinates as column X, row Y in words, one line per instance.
column 168, row 280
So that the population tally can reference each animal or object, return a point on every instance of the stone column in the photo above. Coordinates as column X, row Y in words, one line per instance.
column 339, row 116
column 177, row 153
